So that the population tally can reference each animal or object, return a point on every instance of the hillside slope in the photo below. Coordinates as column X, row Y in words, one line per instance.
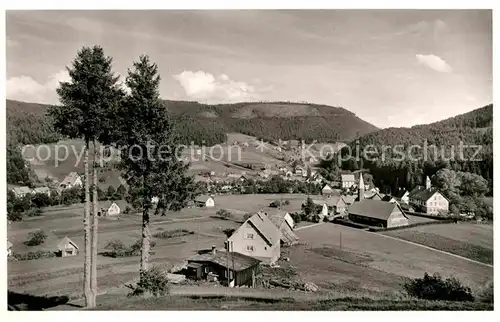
column 392, row 169
column 27, row 123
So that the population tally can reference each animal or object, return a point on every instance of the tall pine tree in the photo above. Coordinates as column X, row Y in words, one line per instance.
column 85, row 102
column 149, row 158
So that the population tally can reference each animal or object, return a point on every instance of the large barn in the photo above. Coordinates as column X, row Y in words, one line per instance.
column 378, row 213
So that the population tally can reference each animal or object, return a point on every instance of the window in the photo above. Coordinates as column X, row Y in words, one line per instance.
column 249, row 236
column 250, row 248
column 230, row 274
column 206, row 269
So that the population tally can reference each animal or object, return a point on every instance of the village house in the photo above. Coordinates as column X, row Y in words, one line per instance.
column 205, row 201
column 216, row 265
column 67, row 247
column 41, row 190
column 284, row 222
column 428, row 200
column 257, row 237
column 376, row 212
column 336, row 205
column 403, row 196
column 110, row 209
column 21, row 192
column 367, row 195
column 9, row 248
column 347, row 180
column 73, row 179
column 322, row 207
column 327, row 190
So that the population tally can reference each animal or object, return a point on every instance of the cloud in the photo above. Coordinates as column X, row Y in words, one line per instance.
column 206, row 87
column 25, row 88
column 434, row 62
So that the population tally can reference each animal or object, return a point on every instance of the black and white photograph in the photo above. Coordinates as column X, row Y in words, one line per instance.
column 249, row 160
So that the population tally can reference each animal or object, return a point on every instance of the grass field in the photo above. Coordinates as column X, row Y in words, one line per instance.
column 57, row 276
column 471, row 240
column 367, row 263
column 370, row 261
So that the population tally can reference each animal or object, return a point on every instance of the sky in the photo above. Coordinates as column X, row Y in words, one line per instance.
column 389, row 67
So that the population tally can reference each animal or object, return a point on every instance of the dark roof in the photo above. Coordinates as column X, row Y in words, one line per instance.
column 239, row 261
column 373, row 209
column 203, row 198
column 422, row 194
column 265, row 227
column 400, row 193
column 387, row 198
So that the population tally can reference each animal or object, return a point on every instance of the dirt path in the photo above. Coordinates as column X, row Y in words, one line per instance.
column 434, row 249
column 309, row 226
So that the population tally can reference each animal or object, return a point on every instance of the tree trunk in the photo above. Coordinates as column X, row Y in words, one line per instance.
column 95, row 206
column 146, row 241
column 86, row 229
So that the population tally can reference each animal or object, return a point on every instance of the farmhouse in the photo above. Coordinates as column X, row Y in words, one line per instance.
column 20, row 192
column 42, row 190
column 110, row 208
column 73, row 179
column 347, row 180
column 284, row 222
column 257, row 237
column 242, row 269
column 377, row 213
column 67, row 247
column 9, row 248
column 205, row 201
column 428, row 200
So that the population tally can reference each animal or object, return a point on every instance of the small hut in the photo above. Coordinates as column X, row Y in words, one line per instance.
column 67, row 247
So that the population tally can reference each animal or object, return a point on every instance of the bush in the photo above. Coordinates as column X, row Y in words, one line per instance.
column 127, row 210
column 436, row 288
column 36, row 238
column 34, row 255
column 223, row 213
column 153, row 281
column 14, row 216
column 118, row 249
column 34, row 212
column 325, row 219
column 173, row 233
column 277, row 203
column 297, row 218
column 247, row 216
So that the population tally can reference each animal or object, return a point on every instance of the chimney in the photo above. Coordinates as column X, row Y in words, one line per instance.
column 214, row 250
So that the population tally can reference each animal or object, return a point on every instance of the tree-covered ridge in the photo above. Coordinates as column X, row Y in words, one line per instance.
column 208, row 124
column 392, row 170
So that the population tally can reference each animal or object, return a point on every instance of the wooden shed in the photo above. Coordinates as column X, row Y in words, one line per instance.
column 67, row 247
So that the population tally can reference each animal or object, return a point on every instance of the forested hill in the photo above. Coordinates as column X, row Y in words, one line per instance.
column 27, row 123
column 475, row 126
column 392, row 170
